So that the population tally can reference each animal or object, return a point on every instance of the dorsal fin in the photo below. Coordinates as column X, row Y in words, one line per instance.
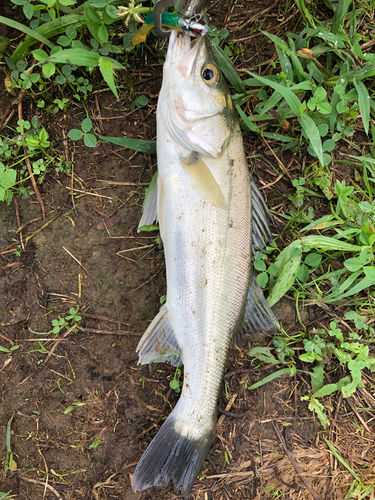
column 260, row 218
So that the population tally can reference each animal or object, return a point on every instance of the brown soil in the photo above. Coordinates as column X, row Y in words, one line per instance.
column 116, row 278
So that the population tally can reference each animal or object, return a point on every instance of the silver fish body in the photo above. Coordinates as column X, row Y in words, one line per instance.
column 204, row 208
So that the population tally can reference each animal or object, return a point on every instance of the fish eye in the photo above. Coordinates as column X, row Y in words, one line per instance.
column 210, row 75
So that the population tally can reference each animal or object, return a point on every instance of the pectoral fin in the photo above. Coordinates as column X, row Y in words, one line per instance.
column 149, row 215
column 202, row 179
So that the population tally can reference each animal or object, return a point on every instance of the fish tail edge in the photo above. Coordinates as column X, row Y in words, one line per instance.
column 172, row 456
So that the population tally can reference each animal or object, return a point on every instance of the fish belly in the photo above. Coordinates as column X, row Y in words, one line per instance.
column 207, row 252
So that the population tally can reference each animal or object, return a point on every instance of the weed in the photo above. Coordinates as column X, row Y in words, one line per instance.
column 9, row 351
column 351, row 351
column 69, row 322
column 74, row 406
column 88, row 138
column 9, row 463
column 142, row 100
column 30, row 142
column 176, row 383
column 6, row 496
column 94, row 444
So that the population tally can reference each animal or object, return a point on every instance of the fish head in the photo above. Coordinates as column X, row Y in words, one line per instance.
column 195, row 103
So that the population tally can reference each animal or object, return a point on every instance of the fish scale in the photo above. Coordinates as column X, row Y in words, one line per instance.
column 204, row 207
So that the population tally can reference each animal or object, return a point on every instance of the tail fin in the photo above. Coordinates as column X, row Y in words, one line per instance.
column 172, row 456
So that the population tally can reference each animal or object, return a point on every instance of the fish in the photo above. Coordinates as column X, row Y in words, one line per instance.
column 211, row 217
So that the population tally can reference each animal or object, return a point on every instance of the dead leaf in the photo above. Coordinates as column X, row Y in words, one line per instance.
column 105, row 224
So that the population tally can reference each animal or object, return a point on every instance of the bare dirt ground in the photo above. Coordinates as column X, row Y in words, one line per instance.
column 267, row 444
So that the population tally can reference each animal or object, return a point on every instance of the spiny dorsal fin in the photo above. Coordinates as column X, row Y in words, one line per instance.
column 159, row 343
column 203, row 180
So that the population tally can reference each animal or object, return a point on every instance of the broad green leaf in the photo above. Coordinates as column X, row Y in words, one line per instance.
column 281, row 283
column 317, row 377
column 89, row 140
column 48, row 69
column 135, row 144
column 81, row 57
column 8, row 178
column 262, row 279
column 303, row 273
column 313, row 259
column 86, row 124
column 279, row 42
column 40, row 55
column 111, row 11
column 369, row 272
column 272, row 101
column 64, row 41
column 103, row 33
column 260, row 265
column 364, row 103
column 353, row 265
column 75, row 134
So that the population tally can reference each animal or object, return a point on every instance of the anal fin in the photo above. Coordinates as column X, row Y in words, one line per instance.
column 159, row 343
column 258, row 316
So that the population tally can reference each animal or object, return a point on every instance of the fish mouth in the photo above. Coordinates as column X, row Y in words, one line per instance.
column 184, row 51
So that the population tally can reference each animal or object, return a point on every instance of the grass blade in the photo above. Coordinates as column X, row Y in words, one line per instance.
column 135, row 144
column 364, row 103
column 269, row 378
column 340, row 13
column 341, row 460
column 228, row 70
column 293, row 102
column 32, row 33
column 81, row 57
column 249, row 124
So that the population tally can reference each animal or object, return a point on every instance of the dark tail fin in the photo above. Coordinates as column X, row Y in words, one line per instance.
column 172, row 456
